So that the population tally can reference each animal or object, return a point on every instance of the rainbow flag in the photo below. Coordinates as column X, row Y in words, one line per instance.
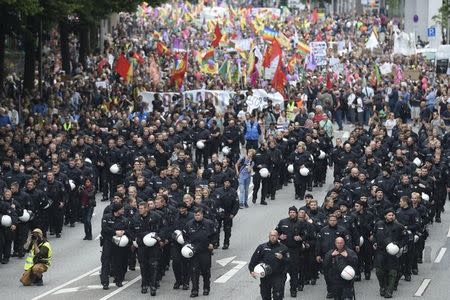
column 269, row 34
column 303, row 48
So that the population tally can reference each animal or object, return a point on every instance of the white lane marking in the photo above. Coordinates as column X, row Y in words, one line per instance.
column 78, row 289
column 98, row 273
column 225, row 261
column 440, row 255
column 448, row 233
column 66, row 284
column 422, row 287
column 225, row 277
column 98, row 237
column 122, row 288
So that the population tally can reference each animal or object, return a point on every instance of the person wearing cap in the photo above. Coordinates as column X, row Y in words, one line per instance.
column 38, row 260
column 227, row 202
column 292, row 232
column 114, row 258
column 387, row 266
column 335, row 260
column 276, row 256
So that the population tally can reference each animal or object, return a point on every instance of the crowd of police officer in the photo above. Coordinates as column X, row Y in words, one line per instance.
column 386, row 192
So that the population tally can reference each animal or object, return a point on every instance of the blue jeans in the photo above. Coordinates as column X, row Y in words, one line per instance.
column 87, row 216
column 244, row 183
column 338, row 117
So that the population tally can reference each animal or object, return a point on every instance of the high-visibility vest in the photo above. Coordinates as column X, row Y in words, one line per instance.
column 67, row 126
column 290, row 109
column 30, row 256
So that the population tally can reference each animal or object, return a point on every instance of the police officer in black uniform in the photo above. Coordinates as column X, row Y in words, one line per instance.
column 200, row 232
column 56, row 194
column 385, row 232
column 290, row 235
column 276, row 256
column 144, row 223
column 113, row 256
column 227, row 202
column 180, row 264
column 261, row 158
column 325, row 242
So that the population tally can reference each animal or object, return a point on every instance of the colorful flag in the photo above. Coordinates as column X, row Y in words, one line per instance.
column 273, row 50
column 224, row 71
column 178, row 73
column 314, row 16
column 129, row 76
column 279, row 79
column 303, row 48
column 154, row 71
column 122, row 66
column 162, row 49
column 269, row 34
column 217, row 36
column 284, row 41
column 208, row 54
column 139, row 58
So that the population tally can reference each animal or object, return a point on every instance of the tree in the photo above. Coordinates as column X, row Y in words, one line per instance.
column 13, row 16
column 441, row 19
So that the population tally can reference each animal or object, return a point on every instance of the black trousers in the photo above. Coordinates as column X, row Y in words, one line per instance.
column 56, row 218
column 201, row 265
column 274, row 180
column 257, row 182
column 72, row 210
column 113, row 259
column 148, row 261
column 365, row 257
column 180, row 265
column 272, row 287
column 20, row 237
column 294, row 268
column 201, row 156
column 227, row 223
column 6, row 238
column 110, row 182
column 300, row 185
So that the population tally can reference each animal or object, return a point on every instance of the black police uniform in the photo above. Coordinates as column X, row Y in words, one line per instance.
column 333, row 266
column 272, row 285
column 227, row 203
column 291, row 228
column 387, row 265
column 180, row 264
column 113, row 256
column 56, row 194
column 148, row 256
column 200, row 234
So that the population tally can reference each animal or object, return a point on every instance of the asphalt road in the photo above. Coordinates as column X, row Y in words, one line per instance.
column 75, row 266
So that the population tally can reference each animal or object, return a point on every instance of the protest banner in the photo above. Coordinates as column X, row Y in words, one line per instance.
column 319, row 49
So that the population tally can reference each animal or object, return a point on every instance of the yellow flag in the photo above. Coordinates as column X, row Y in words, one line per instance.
column 284, row 41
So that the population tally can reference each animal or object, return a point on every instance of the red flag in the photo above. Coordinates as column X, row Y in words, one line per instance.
column 179, row 72
column 101, row 64
column 314, row 16
column 217, row 37
column 138, row 58
column 279, row 79
column 162, row 49
column 122, row 66
column 319, row 36
column 272, row 51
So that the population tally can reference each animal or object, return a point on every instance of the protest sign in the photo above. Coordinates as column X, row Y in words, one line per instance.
column 319, row 49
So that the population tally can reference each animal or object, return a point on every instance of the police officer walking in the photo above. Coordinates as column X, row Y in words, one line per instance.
column 149, row 252
column 274, row 257
column 289, row 230
column 114, row 254
column 227, row 202
column 336, row 261
column 200, row 232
